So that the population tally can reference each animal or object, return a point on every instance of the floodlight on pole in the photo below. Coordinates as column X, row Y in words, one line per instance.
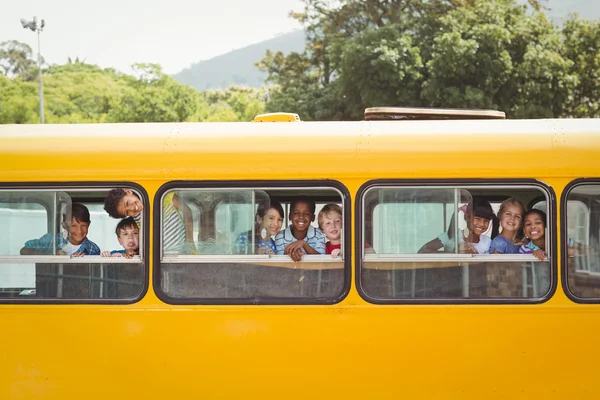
column 34, row 26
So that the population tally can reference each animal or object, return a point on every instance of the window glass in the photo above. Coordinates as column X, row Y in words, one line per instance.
column 238, row 253
column 436, row 243
column 51, row 247
column 582, row 241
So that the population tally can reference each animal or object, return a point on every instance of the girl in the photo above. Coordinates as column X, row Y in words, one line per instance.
column 534, row 226
column 478, row 215
column 269, row 219
column 511, row 216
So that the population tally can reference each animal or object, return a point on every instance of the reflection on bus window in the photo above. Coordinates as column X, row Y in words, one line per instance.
column 65, row 232
column 456, row 226
column 582, row 241
column 237, row 247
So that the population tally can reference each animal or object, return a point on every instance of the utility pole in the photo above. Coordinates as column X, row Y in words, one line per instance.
column 35, row 27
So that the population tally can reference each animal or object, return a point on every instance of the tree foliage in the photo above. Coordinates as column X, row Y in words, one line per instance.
column 77, row 92
column 494, row 54
column 16, row 60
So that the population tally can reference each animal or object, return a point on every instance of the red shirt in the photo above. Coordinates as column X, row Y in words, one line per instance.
column 331, row 247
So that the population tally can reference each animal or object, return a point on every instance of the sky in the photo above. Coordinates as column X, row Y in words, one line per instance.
column 173, row 33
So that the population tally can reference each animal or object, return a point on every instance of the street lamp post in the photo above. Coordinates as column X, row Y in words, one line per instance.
column 35, row 27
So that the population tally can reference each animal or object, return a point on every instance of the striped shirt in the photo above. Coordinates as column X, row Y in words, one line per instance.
column 528, row 248
column 173, row 227
column 314, row 238
column 138, row 220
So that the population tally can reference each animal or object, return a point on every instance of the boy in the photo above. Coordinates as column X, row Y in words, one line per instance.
column 74, row 242
column 300, row 237
column 128, row 235
column 121, row 203
column 330, row 223
column 178, row 230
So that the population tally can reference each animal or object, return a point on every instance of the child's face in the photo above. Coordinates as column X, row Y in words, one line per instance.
column 79, row 231
column 511, row 218
column 477, row 225
column 301, row 217
column 272, row 222
column 130, row 205
column 332, row 226
column 129, row 238
column 534, row 226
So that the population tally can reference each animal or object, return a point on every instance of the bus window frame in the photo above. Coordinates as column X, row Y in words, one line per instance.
column 91, row 186
column 452, row 184
column 564, row 234
column 346, row 201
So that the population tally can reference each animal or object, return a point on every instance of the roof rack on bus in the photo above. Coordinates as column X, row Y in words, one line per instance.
column 277, row 117
column 408, row 113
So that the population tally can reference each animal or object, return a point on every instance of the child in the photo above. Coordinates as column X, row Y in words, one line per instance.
column 300, row 237
column 478, row 215
column 330, row 223
column 534, row 226
column 269, row 218
column 511, row 219
column 121, row 203
column 177, row 217
column 73, row 242
column 128, row 235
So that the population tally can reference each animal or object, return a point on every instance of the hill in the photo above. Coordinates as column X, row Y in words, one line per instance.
column 238, row 67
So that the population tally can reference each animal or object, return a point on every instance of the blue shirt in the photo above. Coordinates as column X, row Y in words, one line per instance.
column 242, row 244
column 314, row 238
column 45, row 245
column 503, row 246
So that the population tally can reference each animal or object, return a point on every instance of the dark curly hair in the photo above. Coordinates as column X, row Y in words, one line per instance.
column 303, row 199
column 112, row 200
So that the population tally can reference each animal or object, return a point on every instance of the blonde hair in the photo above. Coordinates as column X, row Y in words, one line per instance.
column 514, row 202
column 328, row 208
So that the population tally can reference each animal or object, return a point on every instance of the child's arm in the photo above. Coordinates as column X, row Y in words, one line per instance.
column 42, row 246
column 295, row 249
column 539, row 254
column 432, row 246
column 467, row 248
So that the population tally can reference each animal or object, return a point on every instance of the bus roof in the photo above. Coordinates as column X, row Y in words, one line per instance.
column 408, row 113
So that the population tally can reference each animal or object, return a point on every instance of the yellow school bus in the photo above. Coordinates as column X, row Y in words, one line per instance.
column 217, row 318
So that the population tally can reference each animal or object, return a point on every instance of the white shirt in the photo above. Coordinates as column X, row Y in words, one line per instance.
column 481, row 247
column 70, row 248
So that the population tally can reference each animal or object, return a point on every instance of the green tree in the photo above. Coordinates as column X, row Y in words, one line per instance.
column 77, row 92
column 434, row 53
column 494, row 54
column 582, row 46
column 18, row 101
column 16, row 60
column 153, row 97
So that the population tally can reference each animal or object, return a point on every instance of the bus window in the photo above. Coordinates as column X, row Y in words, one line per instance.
column 581, row 241
column 237, row 257
column 422, row 243
column 53, row 245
